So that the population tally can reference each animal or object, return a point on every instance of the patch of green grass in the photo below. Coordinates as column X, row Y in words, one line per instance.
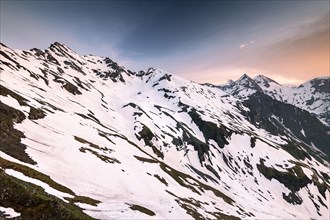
column 190, row 210
column 192, row 205
column 84, row 199
column 33, row 203
column 36, row 113
column 10, row 138
column 222, row 216
column 100, row 156
column 94, row 119
column 179, row 177
column 161, row 179
column 71, row 88
column 147, row 160
column 142, row 209
column 96, row 147
column 4, row 92
column 44, row 103
column 83, row 141
column 197, row 187
column 27, row 171
column 103, row 134
column 92, row 145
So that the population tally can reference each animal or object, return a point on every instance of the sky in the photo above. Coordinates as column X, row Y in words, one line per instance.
column 203, row 41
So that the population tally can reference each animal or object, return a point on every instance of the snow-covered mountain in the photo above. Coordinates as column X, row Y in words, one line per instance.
column 82, row 137
column 312, row 96
column 241, row 88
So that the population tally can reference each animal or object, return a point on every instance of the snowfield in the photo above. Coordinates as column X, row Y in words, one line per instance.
column 151, row 145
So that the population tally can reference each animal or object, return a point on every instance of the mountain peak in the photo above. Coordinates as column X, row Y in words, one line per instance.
column 244, row 76
column 61, row 47
column 319, row 84
column 247, row 82
column 264, row 80
column 242, row 87
column 260, row 76
column 56, row 44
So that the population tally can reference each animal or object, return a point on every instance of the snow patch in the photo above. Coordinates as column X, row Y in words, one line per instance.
column 9, row 212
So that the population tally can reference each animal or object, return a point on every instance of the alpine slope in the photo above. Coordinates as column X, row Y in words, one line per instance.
column 85, row 138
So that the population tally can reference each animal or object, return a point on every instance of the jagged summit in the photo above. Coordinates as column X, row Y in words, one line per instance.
column 247, row 82
column 242, row 87
column 264, row 80
column 59, row 45
column 244, row 77
column 87, row 138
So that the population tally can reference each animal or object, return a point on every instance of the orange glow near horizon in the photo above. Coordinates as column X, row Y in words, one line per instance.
column 294, row 59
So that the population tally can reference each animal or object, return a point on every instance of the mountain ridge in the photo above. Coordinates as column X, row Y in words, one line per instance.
column 312, row 95
column 112, row 143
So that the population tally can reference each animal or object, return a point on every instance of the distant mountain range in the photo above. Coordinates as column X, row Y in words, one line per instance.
column 82, row 137
column 312, row 96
